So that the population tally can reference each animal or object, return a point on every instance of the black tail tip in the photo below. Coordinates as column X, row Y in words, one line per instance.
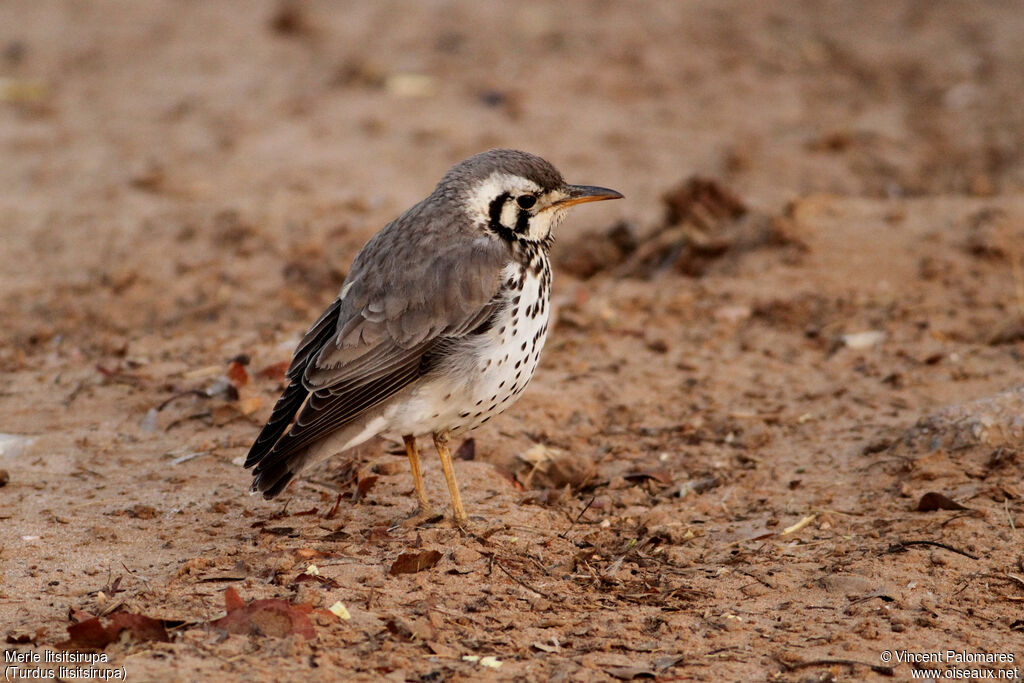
column 271, row 486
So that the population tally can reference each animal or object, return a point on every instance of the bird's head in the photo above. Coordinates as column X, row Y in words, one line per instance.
column 515, row 195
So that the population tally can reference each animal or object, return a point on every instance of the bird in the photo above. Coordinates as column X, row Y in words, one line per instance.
column 438, row 326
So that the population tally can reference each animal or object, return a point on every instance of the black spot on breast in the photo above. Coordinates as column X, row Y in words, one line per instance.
column 464, row 414
column 502, row 384
column 523, row 347
column 480, row 401
column 515, row 302
column 487, row 418
column 518, row 363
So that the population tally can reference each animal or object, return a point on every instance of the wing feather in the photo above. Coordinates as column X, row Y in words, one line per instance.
column 417, row 286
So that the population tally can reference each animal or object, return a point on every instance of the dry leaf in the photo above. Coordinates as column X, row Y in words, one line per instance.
column 91, row 634
column 937, row 501
column 275, row 371
column 466, row 450
column 249, row 404
column 365, row 484
column 660, row 475
column 269, row 617
column 237, row 374
column 628, row 673
column 316, row 578
column 410, row 563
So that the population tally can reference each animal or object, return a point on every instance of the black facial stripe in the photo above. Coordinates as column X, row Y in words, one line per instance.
column 523, row 222
column 497, row 204
column 495, row 225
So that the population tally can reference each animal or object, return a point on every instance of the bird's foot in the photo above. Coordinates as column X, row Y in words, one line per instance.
column 462, row 524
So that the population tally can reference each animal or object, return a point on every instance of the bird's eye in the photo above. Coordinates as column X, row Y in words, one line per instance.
column 526, row 201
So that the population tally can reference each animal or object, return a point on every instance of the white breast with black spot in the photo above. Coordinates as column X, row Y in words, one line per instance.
column 508, row 352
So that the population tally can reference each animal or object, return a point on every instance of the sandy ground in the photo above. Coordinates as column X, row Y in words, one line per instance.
column 720, row 470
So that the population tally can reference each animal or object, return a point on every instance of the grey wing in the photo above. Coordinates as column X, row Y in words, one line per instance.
column 406, row 298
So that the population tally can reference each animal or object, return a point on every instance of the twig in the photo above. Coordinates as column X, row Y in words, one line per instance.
column 1012, row 578
column 883, row 670
column 903, row 545
column 334, row 508
column 190, row 392
column 69, row 399
column 579, row 516
column 522, row 583
column 138, row 576
column 188, row 456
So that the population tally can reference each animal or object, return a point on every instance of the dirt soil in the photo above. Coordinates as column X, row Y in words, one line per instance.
column 806, row 315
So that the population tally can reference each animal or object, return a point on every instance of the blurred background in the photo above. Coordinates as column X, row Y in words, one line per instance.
column 805, row 319
column 144, row 140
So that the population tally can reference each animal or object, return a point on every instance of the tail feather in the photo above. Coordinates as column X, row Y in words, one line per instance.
column 284, row 412
column 273, row 469
column 271, row 477
column 278, row 467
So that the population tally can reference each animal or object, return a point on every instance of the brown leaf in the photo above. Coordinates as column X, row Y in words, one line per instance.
column 237, row 374
column 26, row 638
column 660, row 475
column 78, row 616
column 466, row 450
column 442, row 650
column 232, row 600
column 699, row 200
column 226, row 575
column 937, row 501
column 336, row 535
column 316, row 578
column 569, row 469
column 249, row 404
column 365, row 484
column 141, row 627
column 274, row 371
column 629, row 673
column 410, row 563
column 269, row 617
column 91, row 634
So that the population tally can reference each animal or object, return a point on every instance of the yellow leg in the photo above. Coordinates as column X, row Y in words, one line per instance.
column 417, row 475
column 441, row 443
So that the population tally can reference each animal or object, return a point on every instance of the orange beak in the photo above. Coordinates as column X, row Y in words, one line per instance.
column 581, row 194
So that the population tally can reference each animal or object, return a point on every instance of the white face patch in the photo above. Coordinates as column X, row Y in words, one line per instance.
column 498, row 184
